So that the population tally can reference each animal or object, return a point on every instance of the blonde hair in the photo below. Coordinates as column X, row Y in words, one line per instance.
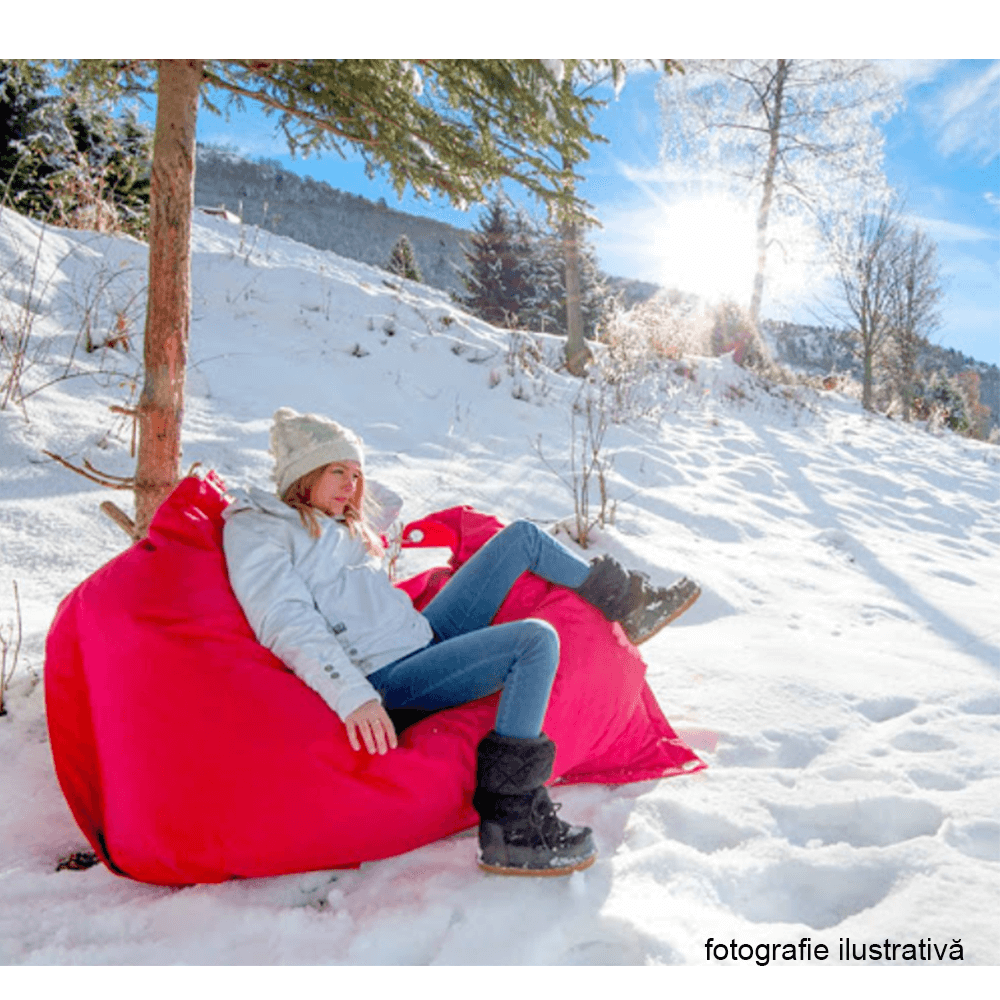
column 357, row 511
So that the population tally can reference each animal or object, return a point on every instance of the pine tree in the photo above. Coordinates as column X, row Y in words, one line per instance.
column 403, row 261
column 66, row 160
column 22, row 91
column 943, row 396
column 517, row 274
column 537, row 268
column 547, row 269
column 497, row 279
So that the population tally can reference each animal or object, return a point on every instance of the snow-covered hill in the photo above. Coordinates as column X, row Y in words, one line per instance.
column 313, row 212
column 839, row 674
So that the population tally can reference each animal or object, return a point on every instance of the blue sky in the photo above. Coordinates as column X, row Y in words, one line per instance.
column 942, row 150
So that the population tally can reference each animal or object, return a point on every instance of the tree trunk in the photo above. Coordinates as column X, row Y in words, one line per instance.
column 577, row 352
column 168, row 306
column 774, row 128
column 907, row 349
column 906, row 336
column 868, row 378
column 907, row 401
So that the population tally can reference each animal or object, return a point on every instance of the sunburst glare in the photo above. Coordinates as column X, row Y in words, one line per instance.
column 705, row 245
column 704, row 242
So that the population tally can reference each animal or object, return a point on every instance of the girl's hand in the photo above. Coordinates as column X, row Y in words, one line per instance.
column 372, row 724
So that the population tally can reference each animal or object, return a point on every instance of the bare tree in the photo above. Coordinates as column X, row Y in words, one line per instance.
column 915, row 291
column 864, row 255
column 797, row 135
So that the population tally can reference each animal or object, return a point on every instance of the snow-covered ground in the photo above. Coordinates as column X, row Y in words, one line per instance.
column 839, row 674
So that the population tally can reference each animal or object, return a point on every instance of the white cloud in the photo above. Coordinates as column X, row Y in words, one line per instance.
column 911, row 72
column 247, row 145
column 944, row 231
column 966, row 112
column 669, row 173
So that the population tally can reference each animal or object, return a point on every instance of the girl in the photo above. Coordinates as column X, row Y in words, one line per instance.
column 306, row 568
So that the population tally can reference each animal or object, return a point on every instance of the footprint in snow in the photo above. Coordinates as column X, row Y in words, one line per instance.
column 616, row 951
column 872, row 614
column 954, row 577
column 976, row 839
column 874, row 822
column 705, row 832
column 987, row 704
column 770, row 749
column 795, row 891
column 937, row 781
column 857, row 772
column 919, row 741
column 882, row 709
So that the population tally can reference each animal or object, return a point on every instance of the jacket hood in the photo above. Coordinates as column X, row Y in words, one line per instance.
column 257, row 499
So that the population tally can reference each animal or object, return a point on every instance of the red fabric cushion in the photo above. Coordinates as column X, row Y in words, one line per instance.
column 188, row 753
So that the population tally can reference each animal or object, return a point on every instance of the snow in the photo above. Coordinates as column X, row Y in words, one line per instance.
column 839, row 674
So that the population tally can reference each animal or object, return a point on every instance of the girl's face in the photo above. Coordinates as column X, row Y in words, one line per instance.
column 338, row 484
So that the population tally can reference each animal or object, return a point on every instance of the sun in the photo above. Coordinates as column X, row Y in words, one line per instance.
column 705, row 243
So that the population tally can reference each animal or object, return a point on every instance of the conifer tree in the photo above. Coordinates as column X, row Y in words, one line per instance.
column 497, row 278
column 529, row 242
column 517, row 274
column 551, row 313
column 403, row 261
column 22, row 91
column 944, row 396
column 66, row 160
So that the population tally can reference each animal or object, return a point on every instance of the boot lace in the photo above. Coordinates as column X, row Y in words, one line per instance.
column 545, row 822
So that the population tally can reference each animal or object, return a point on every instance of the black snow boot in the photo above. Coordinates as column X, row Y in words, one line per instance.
column 519, row 833
column 627, row 597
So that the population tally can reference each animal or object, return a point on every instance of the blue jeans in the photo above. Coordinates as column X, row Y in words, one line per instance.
column 469, row 658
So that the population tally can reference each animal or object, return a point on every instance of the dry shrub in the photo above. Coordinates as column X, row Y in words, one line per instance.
column 665, row 327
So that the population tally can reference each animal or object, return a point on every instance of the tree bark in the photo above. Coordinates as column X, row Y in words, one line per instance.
column 906, row 336
column 168, row 307
column 868, row 379
column 577, row 352
column 763, row 213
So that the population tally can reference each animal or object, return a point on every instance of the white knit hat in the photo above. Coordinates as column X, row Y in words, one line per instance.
column 301, row 442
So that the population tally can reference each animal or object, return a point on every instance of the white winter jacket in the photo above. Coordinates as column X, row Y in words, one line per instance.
column 322, row 605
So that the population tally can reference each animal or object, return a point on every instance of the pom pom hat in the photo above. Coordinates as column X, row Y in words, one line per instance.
column 301, row 442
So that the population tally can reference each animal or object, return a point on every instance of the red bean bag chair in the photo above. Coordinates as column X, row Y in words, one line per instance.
column 189, row 753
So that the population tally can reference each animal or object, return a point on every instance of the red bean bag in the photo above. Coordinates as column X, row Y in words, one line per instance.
column 189, row 753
